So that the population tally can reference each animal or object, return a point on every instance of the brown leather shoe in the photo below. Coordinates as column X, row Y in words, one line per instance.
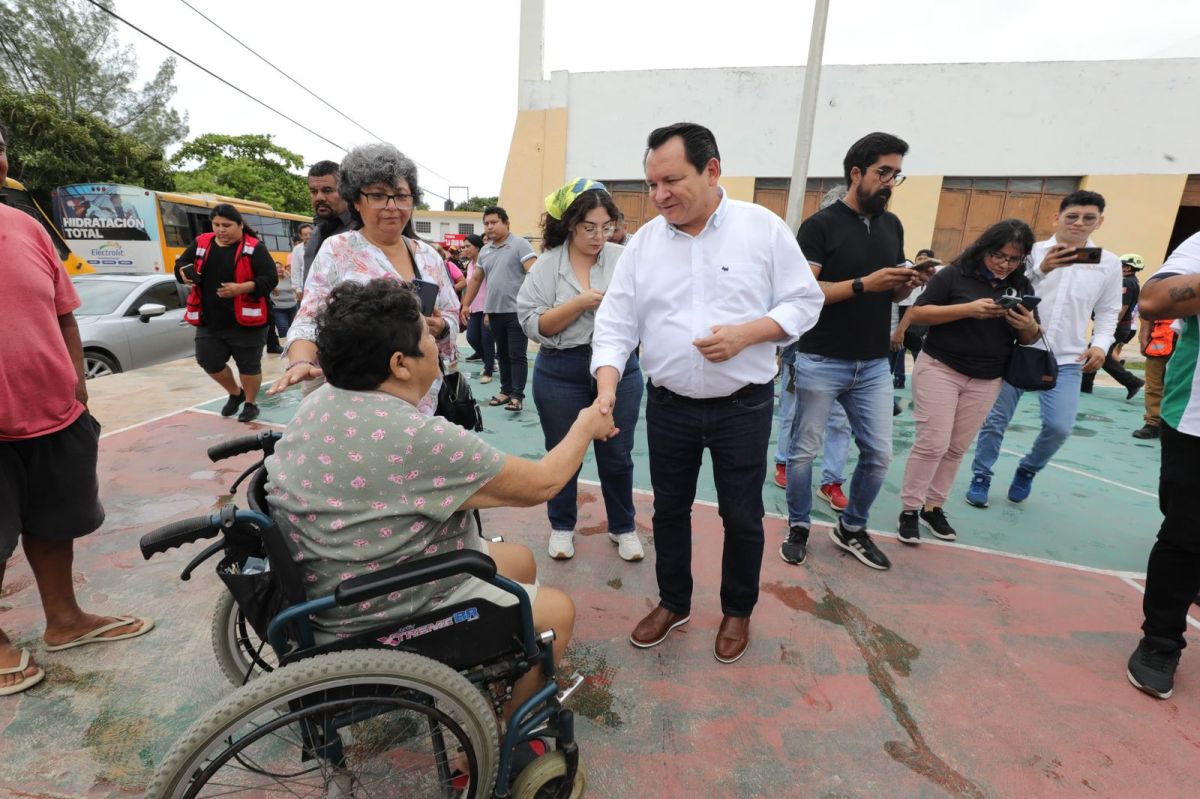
column 732, row 638
column 654, row 629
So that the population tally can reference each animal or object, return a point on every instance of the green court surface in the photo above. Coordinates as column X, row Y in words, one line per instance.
column 1095, row 505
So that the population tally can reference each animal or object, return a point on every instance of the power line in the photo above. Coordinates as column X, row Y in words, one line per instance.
column 209, row 72
column 312, row 94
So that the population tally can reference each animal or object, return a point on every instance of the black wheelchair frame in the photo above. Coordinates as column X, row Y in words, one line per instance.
column 502, row 645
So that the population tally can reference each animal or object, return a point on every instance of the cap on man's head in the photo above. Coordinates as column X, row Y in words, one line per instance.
column 1133, row 261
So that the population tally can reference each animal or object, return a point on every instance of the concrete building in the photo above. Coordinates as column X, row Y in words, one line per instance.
column 437, row 225
column 989, row 141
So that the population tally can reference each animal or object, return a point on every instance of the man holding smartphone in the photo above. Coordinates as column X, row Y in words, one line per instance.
column 1077, row 282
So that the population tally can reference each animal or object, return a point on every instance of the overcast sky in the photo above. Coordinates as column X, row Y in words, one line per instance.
column 438, row 78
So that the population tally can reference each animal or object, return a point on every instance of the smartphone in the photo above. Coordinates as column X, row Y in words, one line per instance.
column 1087, row 255
column 1030, row 301
column 1008, row 301
column 189, row 271
column 428, row 292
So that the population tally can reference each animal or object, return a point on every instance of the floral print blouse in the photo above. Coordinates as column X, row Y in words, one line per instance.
column 349, row 256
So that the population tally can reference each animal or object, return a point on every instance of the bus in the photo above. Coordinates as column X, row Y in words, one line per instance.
column 17, row 196
column 116, row 228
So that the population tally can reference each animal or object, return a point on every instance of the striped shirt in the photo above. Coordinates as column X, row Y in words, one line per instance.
column 1181, row 387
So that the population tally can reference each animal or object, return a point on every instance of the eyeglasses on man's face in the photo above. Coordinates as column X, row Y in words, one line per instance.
column 591, row 231
column 1003, row 259
column 888, row 175
column 1072, row 218
column 379, row 200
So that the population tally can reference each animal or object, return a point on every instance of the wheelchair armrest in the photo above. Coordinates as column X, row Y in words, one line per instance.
column 417, row 572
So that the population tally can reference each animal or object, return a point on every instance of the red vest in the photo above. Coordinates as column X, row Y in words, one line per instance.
column 248, row 312
column 1162, row 339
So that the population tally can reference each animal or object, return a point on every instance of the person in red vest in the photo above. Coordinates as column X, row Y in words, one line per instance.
column 1157, row 340
column 231, row 274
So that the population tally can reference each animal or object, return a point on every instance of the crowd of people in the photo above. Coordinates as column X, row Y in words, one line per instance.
column 697, row 313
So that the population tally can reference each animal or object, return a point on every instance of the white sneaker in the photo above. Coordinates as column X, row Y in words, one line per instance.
column 629, row 547
column 562, row 544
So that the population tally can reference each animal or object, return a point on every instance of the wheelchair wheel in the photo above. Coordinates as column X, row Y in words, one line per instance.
column 541, row 778
column 240, row 653
column 362, row 723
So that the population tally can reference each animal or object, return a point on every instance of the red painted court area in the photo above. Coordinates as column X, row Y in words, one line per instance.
column 959, row 673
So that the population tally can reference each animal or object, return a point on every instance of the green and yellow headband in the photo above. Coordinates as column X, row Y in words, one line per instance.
column 558, row 202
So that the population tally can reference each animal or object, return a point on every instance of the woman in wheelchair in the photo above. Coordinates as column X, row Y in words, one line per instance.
column 361, row 480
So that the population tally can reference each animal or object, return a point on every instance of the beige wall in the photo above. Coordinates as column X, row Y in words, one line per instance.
column 738, row 188
column 916, row 203
column 537, row 159
column 1139, row 214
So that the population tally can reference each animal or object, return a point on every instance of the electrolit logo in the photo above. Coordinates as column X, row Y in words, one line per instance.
column 108, row 249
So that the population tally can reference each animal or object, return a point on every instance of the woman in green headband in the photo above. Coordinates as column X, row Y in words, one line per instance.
column 557, row 307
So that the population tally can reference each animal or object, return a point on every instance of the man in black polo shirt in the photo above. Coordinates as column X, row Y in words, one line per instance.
column 856, row 249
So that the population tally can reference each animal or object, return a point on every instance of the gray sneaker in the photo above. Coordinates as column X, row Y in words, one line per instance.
column 1152, row 671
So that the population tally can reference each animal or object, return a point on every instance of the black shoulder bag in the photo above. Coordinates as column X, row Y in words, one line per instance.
column 1032, row 369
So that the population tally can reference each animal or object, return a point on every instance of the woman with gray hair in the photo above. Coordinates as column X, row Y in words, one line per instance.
column 379, row 185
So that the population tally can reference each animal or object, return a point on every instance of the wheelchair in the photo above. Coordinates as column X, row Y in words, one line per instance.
column 409, row 709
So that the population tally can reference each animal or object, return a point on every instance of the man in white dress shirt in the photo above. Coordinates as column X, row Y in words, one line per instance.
column 1072, row 293
column 709, row 288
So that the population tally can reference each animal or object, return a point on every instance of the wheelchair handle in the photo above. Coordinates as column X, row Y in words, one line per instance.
column 264, row 441
column 176, row 534
column 406, row 575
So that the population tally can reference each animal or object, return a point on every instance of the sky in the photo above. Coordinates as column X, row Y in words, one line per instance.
column 439, row 79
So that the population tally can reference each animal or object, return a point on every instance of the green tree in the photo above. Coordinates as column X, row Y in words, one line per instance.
column 249, row 167
column 49, row 147
column 477, row 204
column 69, row 50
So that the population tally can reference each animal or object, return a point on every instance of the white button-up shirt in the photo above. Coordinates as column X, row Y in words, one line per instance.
column 670, row 289
column 1071, row 297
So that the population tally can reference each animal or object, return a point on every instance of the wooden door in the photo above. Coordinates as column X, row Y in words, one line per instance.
column 948, row 227
column 773, row 199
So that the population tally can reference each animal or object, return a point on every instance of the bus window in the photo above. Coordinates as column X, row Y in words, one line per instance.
column 176, row 227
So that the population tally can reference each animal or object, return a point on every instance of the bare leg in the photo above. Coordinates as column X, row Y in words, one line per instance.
column 9, row 656
column 225, row 379
column 552, row 610
column 250, row 384
column 514, row 562
column 65, row 620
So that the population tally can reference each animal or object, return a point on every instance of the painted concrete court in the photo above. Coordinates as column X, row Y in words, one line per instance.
column 962, row 672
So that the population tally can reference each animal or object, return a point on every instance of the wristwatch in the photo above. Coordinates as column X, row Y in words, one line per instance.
column 858, row 286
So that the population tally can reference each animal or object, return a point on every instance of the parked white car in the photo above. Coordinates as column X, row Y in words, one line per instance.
column 130, row 321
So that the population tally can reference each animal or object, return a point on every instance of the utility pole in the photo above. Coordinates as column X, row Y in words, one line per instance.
column 531, row 57
column 808, row 114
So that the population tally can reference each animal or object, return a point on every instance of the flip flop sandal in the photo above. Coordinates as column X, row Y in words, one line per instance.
column 26, row 683
column 499, row 399
column 514, row 404
column 97, row 636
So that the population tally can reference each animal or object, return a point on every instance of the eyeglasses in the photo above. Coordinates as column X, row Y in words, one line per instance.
column 889, row 175
column 1087, row 219
column 1001, row 258
column 590, row 230
column 378, row 200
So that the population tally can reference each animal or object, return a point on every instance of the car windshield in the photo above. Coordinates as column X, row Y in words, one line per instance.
column 101, row 296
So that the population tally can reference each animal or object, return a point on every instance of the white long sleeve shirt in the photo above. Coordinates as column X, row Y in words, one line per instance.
column 670, row 288
column 1072, row 296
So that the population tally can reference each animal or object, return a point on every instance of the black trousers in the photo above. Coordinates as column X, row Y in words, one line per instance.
column 1114, row 368
column 512, row 351
column 1173, row 573
column 736, row 432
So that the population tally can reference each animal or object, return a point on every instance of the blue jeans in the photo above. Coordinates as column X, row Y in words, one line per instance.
column 736, row 433
column 1059, row 406
column 837, row 431
column 512, row 351
column 283, row 318
column 479, row 336
column 562, row 387
column 864, row 390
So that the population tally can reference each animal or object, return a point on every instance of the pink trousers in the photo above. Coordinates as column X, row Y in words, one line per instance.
column 949, row 408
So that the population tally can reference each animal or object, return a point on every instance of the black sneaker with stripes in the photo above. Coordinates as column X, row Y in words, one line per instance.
column 860, row 546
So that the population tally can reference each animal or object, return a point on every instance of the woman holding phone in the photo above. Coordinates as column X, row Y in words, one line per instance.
column 379, row 185
column 231, row 274
column 557, row 308
column 977, row 313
